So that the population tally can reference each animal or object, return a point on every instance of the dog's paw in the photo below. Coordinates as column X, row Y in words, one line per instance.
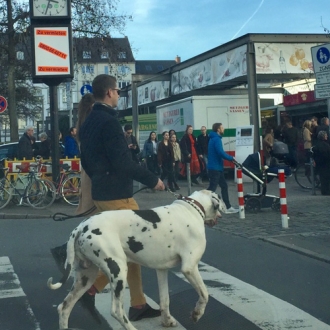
column 169, row 322
column 196, row 315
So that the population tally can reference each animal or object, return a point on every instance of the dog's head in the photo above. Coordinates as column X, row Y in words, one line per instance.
column 212, row 204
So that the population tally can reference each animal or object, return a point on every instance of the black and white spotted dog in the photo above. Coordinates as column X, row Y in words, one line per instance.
column 159, row 238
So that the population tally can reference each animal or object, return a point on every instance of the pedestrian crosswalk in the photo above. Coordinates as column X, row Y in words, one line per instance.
column 21, row 313
column 259, row 309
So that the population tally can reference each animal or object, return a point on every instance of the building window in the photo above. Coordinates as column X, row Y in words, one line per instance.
column 64, row 98
column 20, row 55
column 122, row 55
column 106, row 69
column 122, row 84
column 104, row 55
column 148, row 68
column 87, row 69
column 123, row 69
column 160, row 67
column 87, row 54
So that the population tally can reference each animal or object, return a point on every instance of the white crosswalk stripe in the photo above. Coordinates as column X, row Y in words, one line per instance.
column 259, row 307
column 16, row 291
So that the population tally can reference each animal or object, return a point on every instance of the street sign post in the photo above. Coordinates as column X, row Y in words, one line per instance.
column 3, row 104
column 85, row 89
column 321, row 64
column 322, row 91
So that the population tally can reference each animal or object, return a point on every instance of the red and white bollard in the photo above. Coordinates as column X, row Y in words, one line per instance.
column 240, row 193
column 284, row 206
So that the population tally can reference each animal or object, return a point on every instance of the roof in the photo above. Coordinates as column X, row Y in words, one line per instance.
column 152, row 67
column 96, row 50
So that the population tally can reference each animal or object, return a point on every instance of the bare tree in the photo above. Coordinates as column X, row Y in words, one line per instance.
column 89, row 18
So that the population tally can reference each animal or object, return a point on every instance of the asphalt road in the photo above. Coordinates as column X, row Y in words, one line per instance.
column 236, row 262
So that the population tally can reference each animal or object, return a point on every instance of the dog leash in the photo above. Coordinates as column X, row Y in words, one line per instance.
column 63, row 216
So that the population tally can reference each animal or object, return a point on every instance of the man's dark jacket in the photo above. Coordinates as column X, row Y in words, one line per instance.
column 203, row 142
column 25, row 147
column 106, row 158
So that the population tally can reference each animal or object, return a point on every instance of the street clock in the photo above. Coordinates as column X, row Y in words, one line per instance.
column 50, row 9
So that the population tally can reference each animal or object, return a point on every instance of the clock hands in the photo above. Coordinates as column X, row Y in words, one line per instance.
column 48, row 5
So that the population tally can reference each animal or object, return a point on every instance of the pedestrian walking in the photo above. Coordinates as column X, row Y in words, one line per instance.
column 149, row 153
column 107, row 160
column 215, row 165
column 25, row 148
column 203, row 141
column 165, row 158
column 291, row 138
column 177, row 159
column 190, row 153
column 132, row 142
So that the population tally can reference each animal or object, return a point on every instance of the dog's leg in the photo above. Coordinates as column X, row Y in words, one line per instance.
column 83, row 280
column 167, row 319
column 115, row 268
column 193, row 276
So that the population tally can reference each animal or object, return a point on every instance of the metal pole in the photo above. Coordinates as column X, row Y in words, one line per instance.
column 69, row 101
column 54, row 131
column 135, row 112
column 253, row 99
column 253, row 94
column 188, row 178
column 312, row 175
column 43, row 114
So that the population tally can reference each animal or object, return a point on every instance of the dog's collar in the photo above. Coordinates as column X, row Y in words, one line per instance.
column 195, row 204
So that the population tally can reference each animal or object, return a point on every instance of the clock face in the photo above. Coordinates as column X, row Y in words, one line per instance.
column 50, row 8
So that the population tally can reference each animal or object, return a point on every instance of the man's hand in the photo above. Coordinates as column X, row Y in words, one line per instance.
column 160, row 185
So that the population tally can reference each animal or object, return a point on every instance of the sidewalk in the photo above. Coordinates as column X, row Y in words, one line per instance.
column 309, row 223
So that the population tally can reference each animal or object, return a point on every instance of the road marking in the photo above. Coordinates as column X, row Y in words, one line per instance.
column 103, row 305
column 6, row 269
column 259, row 307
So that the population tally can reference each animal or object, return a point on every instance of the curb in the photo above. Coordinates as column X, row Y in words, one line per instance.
column 297, row 249
column 24, row 216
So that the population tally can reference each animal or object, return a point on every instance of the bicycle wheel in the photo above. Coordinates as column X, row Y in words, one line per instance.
column 6, row 193
column 70, row 189
column 303, row 176
column 41, row 193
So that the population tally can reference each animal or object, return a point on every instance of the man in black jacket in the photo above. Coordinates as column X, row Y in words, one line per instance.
column 107, row 160
column 133, row 146
column 25, row 149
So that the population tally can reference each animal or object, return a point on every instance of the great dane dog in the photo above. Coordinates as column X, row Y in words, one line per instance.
column 159, row 238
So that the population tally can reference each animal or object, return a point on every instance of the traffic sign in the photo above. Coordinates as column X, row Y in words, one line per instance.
column 3, row 104
column 322, row 91
column 85, row 89
column 321, row 58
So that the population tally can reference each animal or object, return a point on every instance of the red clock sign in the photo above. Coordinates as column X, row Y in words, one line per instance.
column 3, row 104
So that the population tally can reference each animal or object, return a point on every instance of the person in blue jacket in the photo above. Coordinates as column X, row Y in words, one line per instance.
column 216, row 155
column 71, row 145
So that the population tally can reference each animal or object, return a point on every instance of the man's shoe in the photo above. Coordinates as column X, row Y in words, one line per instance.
column 88, row 302
column 137, row 314
column 59, row 255
column 231, row 210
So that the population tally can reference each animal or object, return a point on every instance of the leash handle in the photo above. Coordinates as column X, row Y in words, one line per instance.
column 62, row 216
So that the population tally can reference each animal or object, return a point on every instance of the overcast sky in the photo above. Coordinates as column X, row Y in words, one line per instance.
column 162, row 29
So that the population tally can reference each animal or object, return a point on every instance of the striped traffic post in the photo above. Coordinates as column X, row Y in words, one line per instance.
column 284, row 206
column 240, row 193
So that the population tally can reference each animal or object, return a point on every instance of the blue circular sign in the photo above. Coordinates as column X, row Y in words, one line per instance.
column 85, row 89
column 323, row 55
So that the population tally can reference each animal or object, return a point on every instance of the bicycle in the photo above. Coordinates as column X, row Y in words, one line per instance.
column 29, row 188
column 303, row 176
column 67, row 184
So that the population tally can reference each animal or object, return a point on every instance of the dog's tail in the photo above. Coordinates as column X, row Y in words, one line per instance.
column 70, row 255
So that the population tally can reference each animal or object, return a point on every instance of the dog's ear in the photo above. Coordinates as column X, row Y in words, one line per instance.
column 215, row 201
